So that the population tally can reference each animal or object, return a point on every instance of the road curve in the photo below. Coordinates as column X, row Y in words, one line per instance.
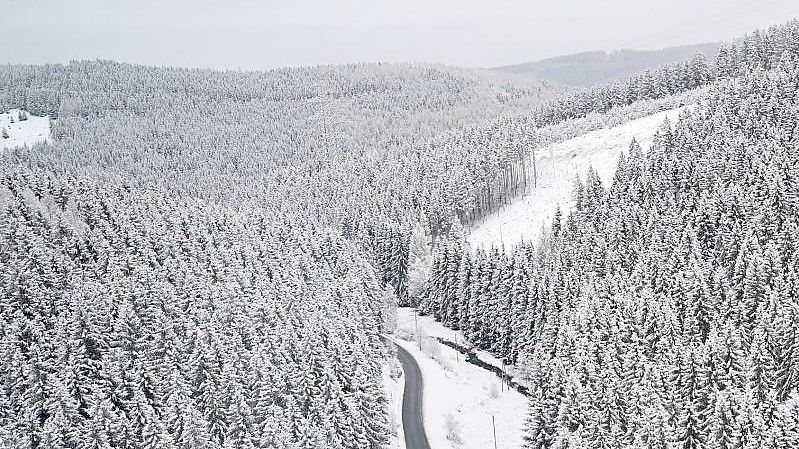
column 412, row 423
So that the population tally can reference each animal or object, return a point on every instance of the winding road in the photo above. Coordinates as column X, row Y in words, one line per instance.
column 412, row 423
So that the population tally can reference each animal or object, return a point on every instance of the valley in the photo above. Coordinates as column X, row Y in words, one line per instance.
column 304, row 257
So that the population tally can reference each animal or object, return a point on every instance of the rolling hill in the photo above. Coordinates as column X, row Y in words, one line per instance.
column 600, row 67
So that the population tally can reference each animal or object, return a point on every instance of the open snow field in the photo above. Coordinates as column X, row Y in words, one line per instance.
column 558, row 165
column 460, row 398
column 23, row 133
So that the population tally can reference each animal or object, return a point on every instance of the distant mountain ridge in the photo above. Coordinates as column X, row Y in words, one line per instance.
column 600, row 67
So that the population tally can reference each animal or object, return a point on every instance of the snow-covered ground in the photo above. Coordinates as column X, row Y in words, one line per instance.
column 394, row 385
column 558, row 165
column 23, row 133
column 460, row 398
column 429, row 327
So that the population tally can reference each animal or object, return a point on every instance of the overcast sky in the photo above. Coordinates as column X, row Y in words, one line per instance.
column 251, row 34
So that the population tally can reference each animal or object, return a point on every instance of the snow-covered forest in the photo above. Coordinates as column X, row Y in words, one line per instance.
column 206, row 259
column 142, row 320
column 203, row 259
column 349, row 147
column 661, row 311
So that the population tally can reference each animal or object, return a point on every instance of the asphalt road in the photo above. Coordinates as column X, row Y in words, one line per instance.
column 415, row 438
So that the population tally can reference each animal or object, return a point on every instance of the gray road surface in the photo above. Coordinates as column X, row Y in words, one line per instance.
column 412, row 423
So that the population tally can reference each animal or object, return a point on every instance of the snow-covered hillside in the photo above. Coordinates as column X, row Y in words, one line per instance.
column 558, row 165
column 22, row 132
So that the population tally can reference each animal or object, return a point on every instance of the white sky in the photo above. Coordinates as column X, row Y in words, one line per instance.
column 253, row 34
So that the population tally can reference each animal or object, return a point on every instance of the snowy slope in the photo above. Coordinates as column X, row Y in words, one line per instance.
column 558, row 165
column 460, row 393
column 23, row 133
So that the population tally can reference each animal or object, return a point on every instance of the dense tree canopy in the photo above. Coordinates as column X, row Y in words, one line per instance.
column 199, row 259
column 203, row 258
column 661, row 311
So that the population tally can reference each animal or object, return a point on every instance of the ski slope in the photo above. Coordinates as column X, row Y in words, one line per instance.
column 558, row 165
column 23, row 133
